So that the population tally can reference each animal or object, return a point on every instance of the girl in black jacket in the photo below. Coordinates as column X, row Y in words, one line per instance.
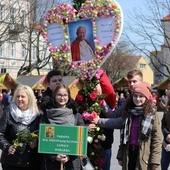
column 64, row 112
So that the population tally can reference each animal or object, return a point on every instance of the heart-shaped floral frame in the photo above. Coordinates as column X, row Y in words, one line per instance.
column 63, row 14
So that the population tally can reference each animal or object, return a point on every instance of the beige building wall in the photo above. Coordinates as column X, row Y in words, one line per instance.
column 148, row 74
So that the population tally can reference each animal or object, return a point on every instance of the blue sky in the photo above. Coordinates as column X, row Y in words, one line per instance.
column 128, row 5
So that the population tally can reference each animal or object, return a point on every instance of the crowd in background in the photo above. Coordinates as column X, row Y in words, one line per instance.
column 134, row 112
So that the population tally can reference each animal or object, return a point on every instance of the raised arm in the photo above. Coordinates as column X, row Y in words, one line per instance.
column 108, row 112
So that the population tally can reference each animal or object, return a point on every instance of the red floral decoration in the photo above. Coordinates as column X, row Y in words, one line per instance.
column 90, row 102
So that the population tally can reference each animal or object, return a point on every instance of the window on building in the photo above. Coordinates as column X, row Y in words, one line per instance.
column 43, row 50
column 33, row 52
column 12, row 49
column 2, row 12
column 142, row 66
column 12, row 15
column 23, row 52
column 1, row 49
column 3, row 70
column 23, row 17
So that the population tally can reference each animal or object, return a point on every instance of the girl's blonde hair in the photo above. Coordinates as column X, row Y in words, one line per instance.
column 32, row 104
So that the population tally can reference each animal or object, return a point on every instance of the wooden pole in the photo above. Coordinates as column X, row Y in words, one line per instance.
column 61, row 166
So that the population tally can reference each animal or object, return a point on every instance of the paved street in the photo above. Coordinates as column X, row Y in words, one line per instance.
column 114, row 163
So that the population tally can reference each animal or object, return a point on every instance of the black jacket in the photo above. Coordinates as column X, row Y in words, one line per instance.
column 47, row 100
column 46, row 103
column 107, row 143
column 49, row 162
column 8, row 130
column 166, row 125
column 48, row 92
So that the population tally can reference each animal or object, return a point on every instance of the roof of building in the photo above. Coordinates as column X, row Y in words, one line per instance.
column 135, row 60
column 39, row 81
column 7, row 82
column 29, row 80
column 163, row 85
column 166, row 18
column 122, row 82
column 68, row 80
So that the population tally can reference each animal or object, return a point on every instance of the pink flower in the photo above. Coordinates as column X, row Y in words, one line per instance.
column 86, row 116
column 153, row 100
column 52, row 49
column 99, row 73
column 93, row 95
column 96, row 140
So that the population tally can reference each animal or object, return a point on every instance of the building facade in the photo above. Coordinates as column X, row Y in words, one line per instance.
column 157, row 57
column 20, row 42
column 166, row 46
column 143, row 65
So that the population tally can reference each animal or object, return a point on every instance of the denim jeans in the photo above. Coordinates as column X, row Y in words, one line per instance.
column 165, row 159
column 107, row 155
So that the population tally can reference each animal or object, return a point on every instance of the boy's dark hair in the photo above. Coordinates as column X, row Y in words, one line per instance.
column 52, row 73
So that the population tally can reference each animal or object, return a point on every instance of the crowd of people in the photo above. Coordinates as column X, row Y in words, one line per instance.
column 5, row 100
column 145, row 139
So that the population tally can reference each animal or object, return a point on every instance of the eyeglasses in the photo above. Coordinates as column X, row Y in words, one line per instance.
column 62, row 95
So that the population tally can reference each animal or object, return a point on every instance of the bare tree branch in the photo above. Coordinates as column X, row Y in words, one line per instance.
column 150, row 31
